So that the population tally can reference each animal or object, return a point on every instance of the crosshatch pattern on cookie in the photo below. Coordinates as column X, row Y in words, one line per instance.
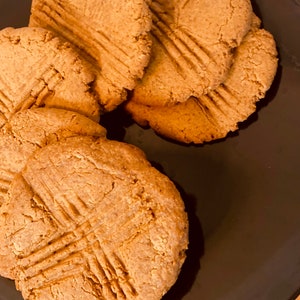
column 215, row 114
column 82, row 247
column 93, row 230
column 31, row 94
column 184, row 51
column 192, row 49
column 112, row 36
column 39, row 69
column 59, row 13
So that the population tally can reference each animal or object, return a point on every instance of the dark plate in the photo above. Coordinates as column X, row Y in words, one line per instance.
column 241, row 193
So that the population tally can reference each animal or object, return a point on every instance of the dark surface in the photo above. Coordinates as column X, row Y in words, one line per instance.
column 241, row 193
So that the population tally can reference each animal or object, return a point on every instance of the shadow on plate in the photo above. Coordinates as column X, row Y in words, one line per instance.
column 296, row 295
column 116, row 123
column 195, row 251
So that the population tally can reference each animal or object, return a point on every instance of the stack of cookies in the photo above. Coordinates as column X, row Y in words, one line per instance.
column 85, row 217
column 210, row 63
column 81, row 216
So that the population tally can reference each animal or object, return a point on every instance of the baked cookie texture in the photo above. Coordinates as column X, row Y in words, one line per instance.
column 84, row 217
column 113, row 36
column 22, row 135
column 30, row 129
column 192, row 48
column 213, row 115
column 39, row 69
column 91, row 219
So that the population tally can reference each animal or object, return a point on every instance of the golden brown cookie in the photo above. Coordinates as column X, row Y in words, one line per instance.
column 113, row 36
column 213, row 115
column 31, row 129
column 192, row 48
column 91, row 219
column 38, row 69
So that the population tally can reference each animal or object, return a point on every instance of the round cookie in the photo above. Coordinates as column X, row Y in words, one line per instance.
column 213, row 115
column 192, row 48
column 112, row 35
column 31, row 129
column 38, row 69
column 91, row 219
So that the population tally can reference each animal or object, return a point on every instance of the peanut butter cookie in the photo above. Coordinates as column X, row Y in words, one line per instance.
column 31, row 129
column 113, row 36
column 192, row 48
column 213, row 115
column 91, row 219
column 39, row 69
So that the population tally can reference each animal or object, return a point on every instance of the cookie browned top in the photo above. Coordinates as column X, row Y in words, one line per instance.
column 213, row 115
column 192, row 48
column 38, row 69
column 91, row 219
column 112, row 35
column 29, row 130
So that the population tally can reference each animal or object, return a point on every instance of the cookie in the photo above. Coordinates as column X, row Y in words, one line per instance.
column 31, row 129
column 39, row 69
column 192, row 48
column 113, row 36
column 92, row 219
column 213, row 115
